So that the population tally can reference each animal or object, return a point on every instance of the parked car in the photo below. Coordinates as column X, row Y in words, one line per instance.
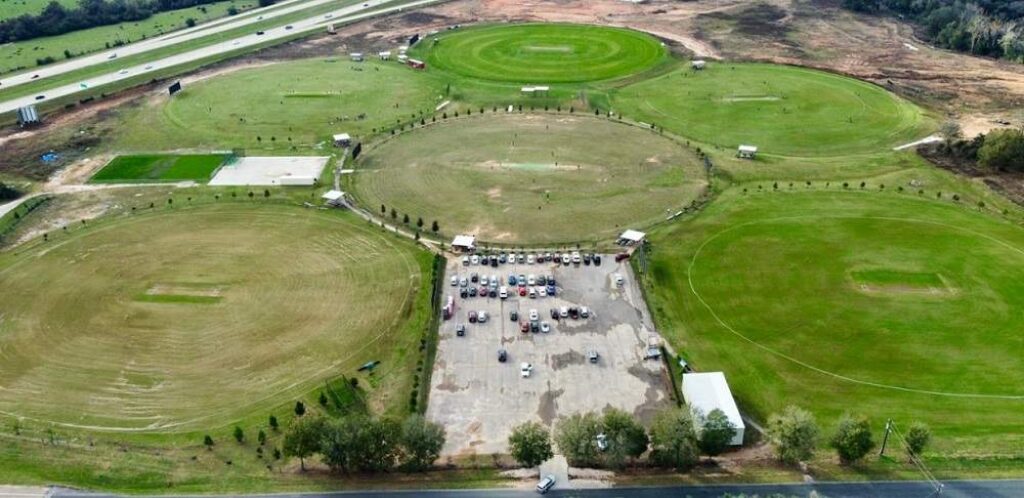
column 534, row 315
column 502, row 355
column 621, row 257
column 576, row 258
column 563, row 312
column 592, row 356
column 584, row 312
column 587, row 258
column 463, row 281
column 551, row 280
column 455, row 281
column 522, row 279
column 525, row 369
column 460, row 330
column 551, row 290
column 531, row 280
column 597, row 260
column 524, row 327
column 472, row 317
column 493, row 292
column 483, row 291
column 529, row 259
column 483, row 280
column 546, row 484
column 619, row 281
column 503, row 258
column 542, row 291
column 547, row 257
column 545, row 327
column 481, row 317
column 472, row 292
column 534, row 327
column 521, row 258
column 566, row 259
column 522, row 291
column 554, row 313
column 511, row 279
column 513, row 315
column 474, row 259
column 503, row 293
column 474, row 277
column 542, row 280
column 465, row 261
column 463, row 293
column 574, row 312
column 494, row 261
column 533, row 293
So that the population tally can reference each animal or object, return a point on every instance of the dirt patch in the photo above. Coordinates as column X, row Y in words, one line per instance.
column 548, row 409
column 560, row 361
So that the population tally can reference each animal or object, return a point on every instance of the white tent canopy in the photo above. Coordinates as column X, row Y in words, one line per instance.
column 333, row 195
column 632, row 236
column 464, row 242
column 709, row 391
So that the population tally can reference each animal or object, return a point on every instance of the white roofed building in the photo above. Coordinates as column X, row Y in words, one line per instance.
column 631, row 237
column 746, row 151
column 705, row 392
column 464, row 243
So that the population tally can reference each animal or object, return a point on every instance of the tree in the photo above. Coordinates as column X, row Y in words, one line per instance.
column 716, row 434
column 261, row 437
column 951, row 131
column 323, row 399
column 626, row 437
column 674, row 439
column 394, row 214
column 208, row 441
column 383, row 210
column 421, row 442
column 530, row 444
column 576, row 437
column 419, row 222
column 405, row 219
column 1003, row 150
column 337, row 444
column 852, row 440
column 300, row 408
column 303, row 438
column 273, row 422
column 795, row 434
column 239, row 434
column 190, row 22
column 434, row 227
column 376, row 444
column 918, row 436
column 266, row 193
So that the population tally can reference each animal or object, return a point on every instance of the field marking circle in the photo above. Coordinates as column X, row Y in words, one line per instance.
column 243, row 405
column 780, row 354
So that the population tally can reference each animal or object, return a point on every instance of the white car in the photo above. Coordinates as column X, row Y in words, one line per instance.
column 123, row 71
column 534, row 316
column 544, row 327
column 531, row 280
column 503, row 293
column 521, row 259
column 525, row 369
column 618, row 280
column 576, row 258
column 563, row 312
column 542, row 291
column 565, row 259
column 465, row 261
column 584, row 312
column 483, row 280
column 475, row 259
column 529, row 259
column 481, row 317
column 148, row 67
column 533, row 293
column 463, row 282
column 455, row 281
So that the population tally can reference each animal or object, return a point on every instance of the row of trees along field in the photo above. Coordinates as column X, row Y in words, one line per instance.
column 677, row 439
column 56, row 19
column 993, row 28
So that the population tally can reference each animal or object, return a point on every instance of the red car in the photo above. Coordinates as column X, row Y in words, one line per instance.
column 472, row 317
column 524, row 327
column 522, row 291
column 621, row 256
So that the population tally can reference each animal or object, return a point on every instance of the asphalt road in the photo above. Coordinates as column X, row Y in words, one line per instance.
column 888, row 489
column 319, row 22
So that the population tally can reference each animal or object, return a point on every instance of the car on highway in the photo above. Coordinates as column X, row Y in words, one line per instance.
column 40, row 97
column 328, row 16
column 259, row 33
column 148, row 67
column 123, row 71
column 525, row 369
column 112, row 56
column 288, row 27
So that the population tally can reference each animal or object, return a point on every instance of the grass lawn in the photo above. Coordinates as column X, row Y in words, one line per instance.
column 532, row 178
column 541, row 53
column 162, row 317
column 302, row 104
column 14, row 8
column 23, row 54
column 783, row 110
column 889, row 304
column 159, row 168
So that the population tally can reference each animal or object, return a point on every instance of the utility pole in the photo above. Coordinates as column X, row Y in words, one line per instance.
column 885, row 438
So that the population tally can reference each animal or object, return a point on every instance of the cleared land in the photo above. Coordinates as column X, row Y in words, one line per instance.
column 784, row 110
column 541, row 178
column 159, row 168
column 199, row 317
column 881, row 303
column 542, row 53
column 302, row 103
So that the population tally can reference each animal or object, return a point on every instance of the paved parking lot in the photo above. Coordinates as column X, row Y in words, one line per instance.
column 479, row 399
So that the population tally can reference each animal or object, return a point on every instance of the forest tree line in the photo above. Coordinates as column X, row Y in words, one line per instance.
column 991, row 28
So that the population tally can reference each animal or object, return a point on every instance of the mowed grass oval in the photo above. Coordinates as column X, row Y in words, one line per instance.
column 542, row 53
column 197, row 317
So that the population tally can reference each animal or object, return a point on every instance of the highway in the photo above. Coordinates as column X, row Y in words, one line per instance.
column 350, row 13
column 878, row 489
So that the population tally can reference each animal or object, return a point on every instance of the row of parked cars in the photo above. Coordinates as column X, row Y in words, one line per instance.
column 567, row 258
column 476, row 285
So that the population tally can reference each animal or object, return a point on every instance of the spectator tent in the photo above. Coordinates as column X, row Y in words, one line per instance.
column 705, row 392
column 631, row 238
column 746, row 152
column 464, row 243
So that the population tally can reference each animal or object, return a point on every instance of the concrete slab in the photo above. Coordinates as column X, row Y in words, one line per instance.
column 270, row 171
column 479, row 399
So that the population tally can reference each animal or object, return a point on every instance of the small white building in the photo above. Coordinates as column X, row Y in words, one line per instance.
column 534, row 90
column 385, row 55
column 631, row 238
column 464, row 243
column 356, row 56
column 403, row 58
column 705, row 392
column 746, row 152
column 334, row 198
column 342, row 140
column 698, row 65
